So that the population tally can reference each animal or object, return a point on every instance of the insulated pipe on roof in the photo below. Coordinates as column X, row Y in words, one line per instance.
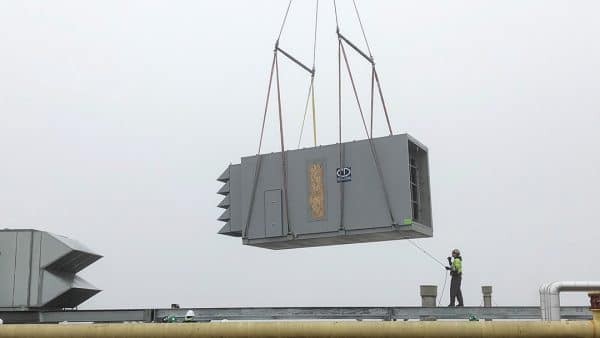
column 550, row 295
column 555, row 288
column 545, row 301
column 300, row 329
column 549, row 302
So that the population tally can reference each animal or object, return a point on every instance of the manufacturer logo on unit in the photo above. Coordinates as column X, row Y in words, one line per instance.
column 343, row 174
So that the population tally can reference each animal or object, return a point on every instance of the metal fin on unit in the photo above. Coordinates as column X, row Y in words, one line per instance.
column 224, row 190
column 65, row 290
column 225, row 203
column 65, row 254
column 231, row 178
column 224, row 177
column 226, row 230
column 225, row 217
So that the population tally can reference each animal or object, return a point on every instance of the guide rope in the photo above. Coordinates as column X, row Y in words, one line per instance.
column 437, row 261
column 425, row 252
column 443, row 288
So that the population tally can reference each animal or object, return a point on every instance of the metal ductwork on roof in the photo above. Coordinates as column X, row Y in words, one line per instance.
column 38, row 270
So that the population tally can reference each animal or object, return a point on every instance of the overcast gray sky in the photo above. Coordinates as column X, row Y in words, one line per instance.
column 117, row 116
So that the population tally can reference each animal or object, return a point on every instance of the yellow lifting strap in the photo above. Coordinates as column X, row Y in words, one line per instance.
column 310, row 97
column 310, row 100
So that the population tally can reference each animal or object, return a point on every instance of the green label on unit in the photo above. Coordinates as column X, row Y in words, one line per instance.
column 407, row 221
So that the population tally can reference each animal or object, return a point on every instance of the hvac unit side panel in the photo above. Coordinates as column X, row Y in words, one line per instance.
column 313, row 191
column 8, row 251
column 297, row 190
column 273, row 213
column 235, row 196
column 248, row 168
column 394, row 158
column 396, row 174
column 36, row 282
column 366, row 205
column 270, row 178
column 22, row 269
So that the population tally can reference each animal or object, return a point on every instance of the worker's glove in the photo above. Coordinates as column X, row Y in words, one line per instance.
column 449, row 260
column 448, row 268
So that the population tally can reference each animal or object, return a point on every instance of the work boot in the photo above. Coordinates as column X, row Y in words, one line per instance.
column 451, row 305
column 461, row 305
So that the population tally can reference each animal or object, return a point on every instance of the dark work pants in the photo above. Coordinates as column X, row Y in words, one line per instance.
column 455, row 290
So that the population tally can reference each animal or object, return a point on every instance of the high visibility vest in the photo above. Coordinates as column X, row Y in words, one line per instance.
column 457, row 266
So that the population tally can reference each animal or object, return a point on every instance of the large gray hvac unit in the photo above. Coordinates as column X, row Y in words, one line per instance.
column 328, row 203
column 38, row 270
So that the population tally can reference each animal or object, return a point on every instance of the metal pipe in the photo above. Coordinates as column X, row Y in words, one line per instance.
column 546, row 297
column 550, row 295
column 543, row 301
column 554, row 290
column 588, row 329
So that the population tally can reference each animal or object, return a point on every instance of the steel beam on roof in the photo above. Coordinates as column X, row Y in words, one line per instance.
column 292, row 313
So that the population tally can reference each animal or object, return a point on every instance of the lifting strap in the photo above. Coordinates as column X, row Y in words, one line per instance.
column 311, row 97
column 283, row 154
column 369, row 132
column 258, row 156
column 370, row 138
column 311, row 100
column 262, row 129
column 340, row 144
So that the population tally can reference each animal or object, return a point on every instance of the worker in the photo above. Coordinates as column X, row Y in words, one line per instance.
column 455, row 268
column 189, row 316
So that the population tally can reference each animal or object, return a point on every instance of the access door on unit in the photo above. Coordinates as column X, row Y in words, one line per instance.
column 273, row 213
